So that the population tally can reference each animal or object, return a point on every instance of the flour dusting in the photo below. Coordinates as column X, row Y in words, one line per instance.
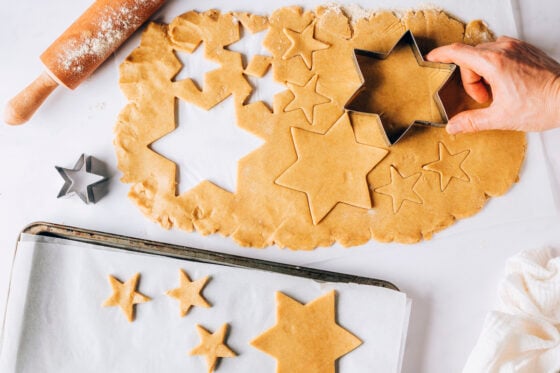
column 102, row 36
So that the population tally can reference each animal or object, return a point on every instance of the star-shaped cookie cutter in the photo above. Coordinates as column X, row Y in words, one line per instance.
column 71, row 176
column 408, row 39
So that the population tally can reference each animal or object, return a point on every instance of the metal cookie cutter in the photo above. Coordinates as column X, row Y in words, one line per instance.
column 393, row 135
column 74, row 179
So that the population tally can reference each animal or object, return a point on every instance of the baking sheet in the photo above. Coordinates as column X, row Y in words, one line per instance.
column 55, row 322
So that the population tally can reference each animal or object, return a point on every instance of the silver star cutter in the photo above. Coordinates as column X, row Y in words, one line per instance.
column 441, row 97
column 82, row 180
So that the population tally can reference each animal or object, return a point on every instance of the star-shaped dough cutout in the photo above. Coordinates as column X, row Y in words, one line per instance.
column 331, row 168
column 306, row 98
column 401, row 87
column 188, row 293
column 401, row 189
column 125, row 295
column 212, row 346
column 303, row 44
column 306, row 338
column 448, row 166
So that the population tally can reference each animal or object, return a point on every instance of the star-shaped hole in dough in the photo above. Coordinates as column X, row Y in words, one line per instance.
column 188, row 293
column 448, row 166
column 125, row 295
column 331, row 168
column 212, row 346
column 303, row 44
column 306, row 338
column 401, row 189
column 306, row 98
column 401, row 87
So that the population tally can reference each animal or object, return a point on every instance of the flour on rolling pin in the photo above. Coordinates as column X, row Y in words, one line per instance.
column 93, row 37
column 80, row 50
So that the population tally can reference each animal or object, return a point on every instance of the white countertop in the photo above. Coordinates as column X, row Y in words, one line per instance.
column 451, row 279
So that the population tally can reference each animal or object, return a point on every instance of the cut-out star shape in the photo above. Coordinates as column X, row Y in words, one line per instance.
column 125, row 295
column 331, row 168
column 188, row 293
column 401, row 87
column 212, row 346
column 306, row 98
column 401, row 189
column 81, row 179
column 303, row 44
column 225, row 143
column 306, row 338
column 448, row 166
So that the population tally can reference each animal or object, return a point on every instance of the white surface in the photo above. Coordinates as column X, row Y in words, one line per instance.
column 59, row 286
column 522, row 334
column 452, row 279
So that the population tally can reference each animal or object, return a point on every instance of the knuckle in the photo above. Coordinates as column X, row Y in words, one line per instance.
column 456, row 46
column 503, row 38
column 496, row 58
column 510, row 45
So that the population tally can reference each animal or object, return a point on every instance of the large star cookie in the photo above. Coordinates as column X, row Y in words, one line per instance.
column 331, row 168
column 306, row 338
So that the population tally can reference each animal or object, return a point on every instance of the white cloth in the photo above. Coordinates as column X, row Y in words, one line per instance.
column 523, row 334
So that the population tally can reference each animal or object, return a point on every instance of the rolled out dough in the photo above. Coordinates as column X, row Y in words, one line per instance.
column 422, row 185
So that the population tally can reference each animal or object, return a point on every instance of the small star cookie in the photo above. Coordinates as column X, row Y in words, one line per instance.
column 448, row 166
column 401, row 189
column 212, row 346
column 306, row 98
column 303, row 44
column 125, row 295
column 188, row 293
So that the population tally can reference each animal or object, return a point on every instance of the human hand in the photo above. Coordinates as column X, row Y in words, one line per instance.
column 521, row 81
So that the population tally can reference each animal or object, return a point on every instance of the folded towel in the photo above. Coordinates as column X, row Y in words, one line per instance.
column 523, row 334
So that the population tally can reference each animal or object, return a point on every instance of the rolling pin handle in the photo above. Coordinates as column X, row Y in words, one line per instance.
column 22, row 107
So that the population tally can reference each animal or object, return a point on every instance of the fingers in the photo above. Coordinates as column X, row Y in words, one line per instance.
column 472, row 66
column 471, row 121
column 474, row 86
column 463, row 55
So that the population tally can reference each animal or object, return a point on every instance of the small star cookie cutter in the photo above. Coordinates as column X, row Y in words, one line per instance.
column 73, row 185
column 441, row 95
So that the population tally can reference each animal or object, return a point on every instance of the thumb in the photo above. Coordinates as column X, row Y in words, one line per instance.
column 471, row 121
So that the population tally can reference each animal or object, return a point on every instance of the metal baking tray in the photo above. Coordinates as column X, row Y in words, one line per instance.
column 138, row 245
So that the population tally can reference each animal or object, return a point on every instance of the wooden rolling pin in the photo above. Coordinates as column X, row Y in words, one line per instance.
column 75, row 55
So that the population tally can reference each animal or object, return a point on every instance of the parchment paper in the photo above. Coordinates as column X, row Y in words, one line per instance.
column 55, row 322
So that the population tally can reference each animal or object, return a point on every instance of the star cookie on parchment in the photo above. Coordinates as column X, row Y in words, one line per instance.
column 303, row 44
column 306, row 338
column 188, row 293
column 331, row 168
column 306, row 98
column 212, row 346
column 401, row 189
column 125, row 295
column 448, row 166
